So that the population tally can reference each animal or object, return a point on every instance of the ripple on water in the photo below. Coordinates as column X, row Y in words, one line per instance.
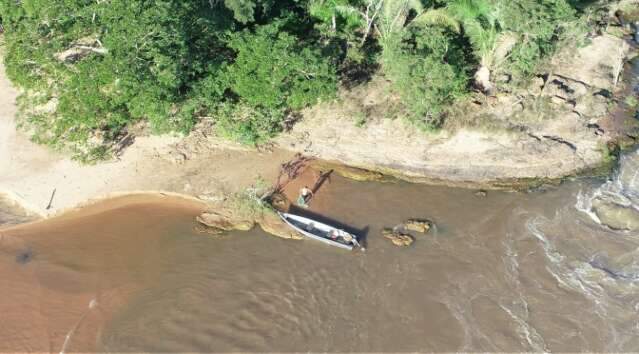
column 509, row 272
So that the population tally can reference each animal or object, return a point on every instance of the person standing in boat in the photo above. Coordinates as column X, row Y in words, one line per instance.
column 305, row 194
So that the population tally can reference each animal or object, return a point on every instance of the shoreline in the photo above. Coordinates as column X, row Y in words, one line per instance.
column 107, row 202
column 206, row 169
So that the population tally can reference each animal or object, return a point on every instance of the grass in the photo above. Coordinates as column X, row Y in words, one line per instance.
column 250, row 203
column 360, row 119
column 631, row 101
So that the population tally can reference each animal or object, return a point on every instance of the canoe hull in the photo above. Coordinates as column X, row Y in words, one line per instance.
column 314, row 229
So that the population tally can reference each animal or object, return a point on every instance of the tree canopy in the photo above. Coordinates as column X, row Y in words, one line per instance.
column 251, row 65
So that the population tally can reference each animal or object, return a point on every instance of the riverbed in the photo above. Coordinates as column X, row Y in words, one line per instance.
column 501, row 272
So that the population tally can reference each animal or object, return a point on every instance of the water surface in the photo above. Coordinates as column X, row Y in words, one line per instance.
column 505, row 272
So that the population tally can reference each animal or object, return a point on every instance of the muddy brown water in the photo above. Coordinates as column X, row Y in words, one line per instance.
column 504, row 272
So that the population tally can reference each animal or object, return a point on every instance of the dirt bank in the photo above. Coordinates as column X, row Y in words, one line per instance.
column 549, row 130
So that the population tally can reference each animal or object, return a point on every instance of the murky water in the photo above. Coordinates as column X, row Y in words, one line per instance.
column 505, row 272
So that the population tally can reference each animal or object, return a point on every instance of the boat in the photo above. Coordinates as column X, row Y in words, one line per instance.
column 320, row 231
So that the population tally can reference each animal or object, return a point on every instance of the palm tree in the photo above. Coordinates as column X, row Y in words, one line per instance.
column 491, row 45
column 389, row 18
column 393, row 20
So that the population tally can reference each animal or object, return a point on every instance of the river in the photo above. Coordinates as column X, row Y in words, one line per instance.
column 502, row 272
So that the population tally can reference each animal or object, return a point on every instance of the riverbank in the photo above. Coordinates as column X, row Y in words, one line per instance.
column 559, row 125
column 47, row 183
column 504, row 146
column 501, row 272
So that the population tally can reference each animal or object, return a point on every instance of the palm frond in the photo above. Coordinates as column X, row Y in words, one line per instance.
column 438, row 17
column 503, row 45
column 347, row 11
column 415, row 5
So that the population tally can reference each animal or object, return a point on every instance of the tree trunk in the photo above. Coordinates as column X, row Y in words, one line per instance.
column 482, row 79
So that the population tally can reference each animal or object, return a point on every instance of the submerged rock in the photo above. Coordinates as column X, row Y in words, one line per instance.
column 24, row 257
column 418, row 225
column 616, row 216
column 398, row 238
column 207, row 230
column 218, row 222
column 481, row 193
column 273, row 224
column 225, row 221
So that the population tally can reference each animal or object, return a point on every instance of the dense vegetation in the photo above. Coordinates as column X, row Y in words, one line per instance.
column 252, row 65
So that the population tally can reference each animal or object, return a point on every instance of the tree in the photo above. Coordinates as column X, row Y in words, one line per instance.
column 483, row 30
column 394, row 18
column 429, row 71
column 506, row 33
column 273, row 74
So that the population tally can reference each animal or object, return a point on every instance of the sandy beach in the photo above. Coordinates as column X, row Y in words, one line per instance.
column 31, row 174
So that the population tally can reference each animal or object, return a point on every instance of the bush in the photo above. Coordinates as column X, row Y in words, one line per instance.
column 253, row 63
column 429, row 72
column 273, row 74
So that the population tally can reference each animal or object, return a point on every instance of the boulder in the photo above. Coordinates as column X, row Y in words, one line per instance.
column 280, row 202
column 418, row 225
column 616, row 216
column 398, row 238
column 272, row 224
column 481, row 193
column 536, row 86
column 224, row 221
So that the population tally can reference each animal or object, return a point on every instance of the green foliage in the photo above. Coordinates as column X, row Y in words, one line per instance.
column 360, row 119
column 273, row 73
column 540, row 25
column 631, row 101
column 428, row 73
column 250, row 203
column 243, row 10
column 144, row 62
column 101, row 66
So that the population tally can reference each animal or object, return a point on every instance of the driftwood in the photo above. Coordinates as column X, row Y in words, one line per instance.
column 290, row 171
column 323, row 177
column 51, row 199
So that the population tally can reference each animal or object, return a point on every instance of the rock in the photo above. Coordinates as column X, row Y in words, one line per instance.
column 557, row 100
column 503, row 78
column 225, row 221
column 616, row 216
column 273, row 225
column 418, row 225
column 398, row 238
column 481, row 193
column 482, row 79
column 206, row 230
column 536, row 86
column 176, row 157
column 280, row 202
column 578, row 88
column 80, row 49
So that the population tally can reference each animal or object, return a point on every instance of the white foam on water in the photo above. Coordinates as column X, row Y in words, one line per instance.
column 525, row 330
column 67, row 339
column 605, row 288
column 622, row 189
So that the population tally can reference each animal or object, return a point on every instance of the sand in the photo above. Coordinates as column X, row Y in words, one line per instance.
column 202, row 167
column 30, row 173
